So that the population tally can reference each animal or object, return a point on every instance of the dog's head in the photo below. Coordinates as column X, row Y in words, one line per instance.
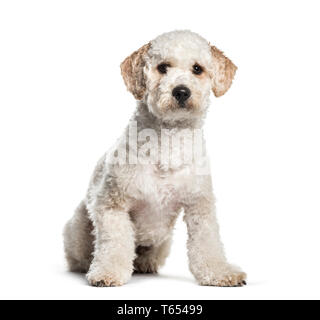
column 175, row 73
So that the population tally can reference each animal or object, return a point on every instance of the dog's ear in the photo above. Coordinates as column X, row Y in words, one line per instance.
column 133, row 73
column 223, row 73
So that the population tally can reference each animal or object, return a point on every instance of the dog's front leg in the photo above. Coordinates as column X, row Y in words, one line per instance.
column 114, row 251
column 205, row 250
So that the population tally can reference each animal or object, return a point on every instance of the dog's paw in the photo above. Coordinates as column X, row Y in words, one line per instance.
column 145, row 267
column 236, row 279
column 99, row 278
column 225, row 277
column 106, row 281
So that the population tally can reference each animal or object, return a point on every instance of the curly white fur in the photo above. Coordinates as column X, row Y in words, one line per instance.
column 125, row 222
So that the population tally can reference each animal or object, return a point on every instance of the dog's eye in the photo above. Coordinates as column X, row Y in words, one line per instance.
column 196, row 69
column 163, row 67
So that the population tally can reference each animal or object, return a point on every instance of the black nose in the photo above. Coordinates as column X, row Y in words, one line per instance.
column 181, row 93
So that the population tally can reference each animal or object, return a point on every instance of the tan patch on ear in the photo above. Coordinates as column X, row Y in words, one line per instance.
column 133, row 74
column 223, row 74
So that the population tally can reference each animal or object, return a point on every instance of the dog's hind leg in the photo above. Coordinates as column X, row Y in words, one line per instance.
column 150, row 259
column 78, row 240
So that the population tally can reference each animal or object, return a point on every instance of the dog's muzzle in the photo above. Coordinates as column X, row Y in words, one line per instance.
column 181, row 94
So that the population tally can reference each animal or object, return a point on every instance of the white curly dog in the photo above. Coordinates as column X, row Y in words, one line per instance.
column 126, row 220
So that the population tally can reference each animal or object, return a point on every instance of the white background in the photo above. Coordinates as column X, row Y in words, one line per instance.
column 63, row 104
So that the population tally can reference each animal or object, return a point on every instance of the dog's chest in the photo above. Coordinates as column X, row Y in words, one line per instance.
column 159, row 187
column 156, row 202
